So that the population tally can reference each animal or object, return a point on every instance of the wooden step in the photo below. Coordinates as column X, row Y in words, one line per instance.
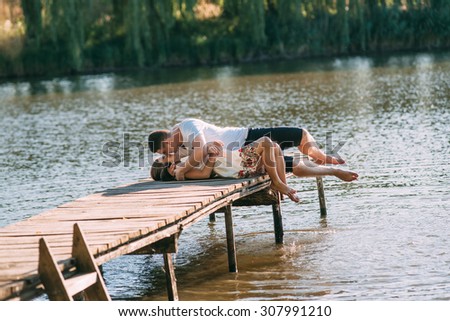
column 80, row 282
column 87, row 278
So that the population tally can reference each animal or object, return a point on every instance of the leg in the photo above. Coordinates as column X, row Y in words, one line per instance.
column 306, row 168
column 294, row 137
column 266, row 148
column 308, row 146
column 281, row 166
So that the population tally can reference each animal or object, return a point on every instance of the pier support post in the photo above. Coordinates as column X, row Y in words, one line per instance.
column 278, row 220
column 171, row 281
column 212, row 217
column 231, row 245
column 323, row 205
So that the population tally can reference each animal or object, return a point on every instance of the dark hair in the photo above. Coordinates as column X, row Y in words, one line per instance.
column 156, row 169
column 155, row 139
column 165, row 175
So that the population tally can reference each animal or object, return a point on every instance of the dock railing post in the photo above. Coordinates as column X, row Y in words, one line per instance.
column 323, row 205
column 231, row 245
column 278, row 220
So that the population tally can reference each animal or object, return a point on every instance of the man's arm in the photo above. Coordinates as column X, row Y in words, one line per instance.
column 203, row 173
column 197, row 156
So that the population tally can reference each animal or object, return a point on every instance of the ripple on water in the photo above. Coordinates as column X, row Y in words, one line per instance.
column 386, row 235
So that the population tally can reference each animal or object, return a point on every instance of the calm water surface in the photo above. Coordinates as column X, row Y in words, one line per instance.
column 386, row 236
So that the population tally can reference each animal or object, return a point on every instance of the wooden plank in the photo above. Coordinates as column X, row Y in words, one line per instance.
column 109, row 215
column 175, row 184
column 52, row 239
column 29, row 269
column 167, row 245
column 100, row 225
column 149, row 209
column 203, row 192
column 92, row 225
column 18, row 271
column 20, row 290
column 186, row 199
column 80, row 282
column 33, row 258
column 139, row 210
column 27, row 253
column 165, row 188
column 147, row 205
column 96, row 248
column 86, row 218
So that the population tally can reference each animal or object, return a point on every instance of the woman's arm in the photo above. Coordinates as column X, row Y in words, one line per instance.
column 203, row 173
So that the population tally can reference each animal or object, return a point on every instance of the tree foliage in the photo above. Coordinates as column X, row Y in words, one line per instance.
column 73, row 36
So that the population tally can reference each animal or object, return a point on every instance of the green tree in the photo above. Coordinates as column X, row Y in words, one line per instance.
column 342, row 26
column 32, row 11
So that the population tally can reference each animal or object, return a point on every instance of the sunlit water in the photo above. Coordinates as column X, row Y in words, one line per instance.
column 386, row 236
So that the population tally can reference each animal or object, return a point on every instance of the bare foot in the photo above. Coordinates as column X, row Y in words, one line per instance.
column 274, row 189
column 345, row 175
column 293, row 196
column 286, row 190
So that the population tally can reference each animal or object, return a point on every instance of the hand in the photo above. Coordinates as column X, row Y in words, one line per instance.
column 212, row 158
column 215, row 148
column 179, row 174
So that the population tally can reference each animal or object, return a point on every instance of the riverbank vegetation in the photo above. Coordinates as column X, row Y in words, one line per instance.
column 39, row 37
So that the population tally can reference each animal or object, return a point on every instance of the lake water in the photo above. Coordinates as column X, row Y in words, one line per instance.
column 386, row 237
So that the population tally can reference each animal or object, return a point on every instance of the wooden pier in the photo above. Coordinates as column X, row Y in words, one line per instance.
column 59, row 251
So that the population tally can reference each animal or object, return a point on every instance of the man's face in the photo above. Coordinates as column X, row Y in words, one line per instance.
column 167, row 146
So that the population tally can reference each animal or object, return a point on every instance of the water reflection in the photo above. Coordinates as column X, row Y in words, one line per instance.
column 108, row 82
column 386, row 235
column 359, row 64
column 424, row 65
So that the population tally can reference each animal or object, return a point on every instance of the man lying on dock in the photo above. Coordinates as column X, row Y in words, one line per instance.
column 188, row 137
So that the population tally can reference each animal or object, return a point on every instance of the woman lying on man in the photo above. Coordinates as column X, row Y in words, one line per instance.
column 261, row 156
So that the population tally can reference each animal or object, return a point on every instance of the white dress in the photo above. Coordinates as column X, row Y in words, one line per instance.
column 240, row 163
